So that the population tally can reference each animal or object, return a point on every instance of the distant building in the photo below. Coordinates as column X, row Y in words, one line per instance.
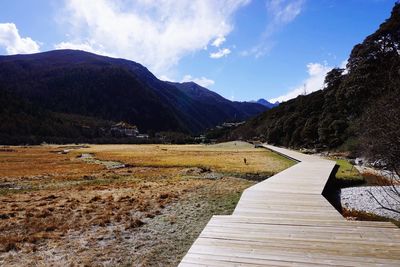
column 232, row 124
column 201, row 138
column 123, row 129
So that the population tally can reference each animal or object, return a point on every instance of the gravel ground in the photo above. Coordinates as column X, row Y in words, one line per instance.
column 360, row 199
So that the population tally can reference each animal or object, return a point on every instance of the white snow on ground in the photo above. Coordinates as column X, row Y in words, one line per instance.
column 360, row 198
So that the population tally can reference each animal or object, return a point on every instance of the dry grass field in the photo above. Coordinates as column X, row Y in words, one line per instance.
column 226, row 157
column 57, row 208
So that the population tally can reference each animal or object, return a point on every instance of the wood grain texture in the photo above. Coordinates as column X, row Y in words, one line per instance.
column 285, row 221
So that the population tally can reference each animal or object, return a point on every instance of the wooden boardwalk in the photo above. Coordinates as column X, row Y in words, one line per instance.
column 285, row 221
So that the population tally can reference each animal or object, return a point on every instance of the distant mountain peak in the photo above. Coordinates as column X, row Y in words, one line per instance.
column 266, row 103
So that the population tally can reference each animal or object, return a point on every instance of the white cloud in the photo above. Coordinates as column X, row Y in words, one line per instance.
column 14, row 43
column 82, row 46
column 220, row 53
column 280, row 13
column 343, row 65
column 154, row 33
column 258, row 50
column 202, row 81
column 314, row 82
column 166, row 78
column 218, row 41
column 284, row 11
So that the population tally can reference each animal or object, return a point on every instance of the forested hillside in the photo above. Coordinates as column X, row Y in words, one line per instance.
column 22, row 122
column 72, row 94
column 339, row 114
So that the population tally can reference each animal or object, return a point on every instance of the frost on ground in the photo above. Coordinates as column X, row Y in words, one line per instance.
column 161, row 241
column 57, row 209
column 366, row 199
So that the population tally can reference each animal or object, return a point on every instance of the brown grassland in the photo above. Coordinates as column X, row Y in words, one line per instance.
column 58, row 209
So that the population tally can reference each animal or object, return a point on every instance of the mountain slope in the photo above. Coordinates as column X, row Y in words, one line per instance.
column 216, row 104
column 266, row 103
column 22, row 122
column 332, row 117
column 76, row 82
column 79, row 83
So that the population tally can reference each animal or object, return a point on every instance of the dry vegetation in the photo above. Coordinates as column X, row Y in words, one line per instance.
column 358, row 215
column 56, row 209
column 227, row 157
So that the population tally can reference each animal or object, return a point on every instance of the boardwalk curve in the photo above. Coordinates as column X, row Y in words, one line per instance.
column 285, row 221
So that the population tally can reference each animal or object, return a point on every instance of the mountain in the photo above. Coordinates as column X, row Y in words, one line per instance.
column 266, row 103
column 22, row 122
column 216, row 104
column 71, row 84
column 338, row 115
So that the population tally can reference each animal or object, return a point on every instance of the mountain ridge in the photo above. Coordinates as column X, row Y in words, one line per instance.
column 266, row 103
column 111, row 89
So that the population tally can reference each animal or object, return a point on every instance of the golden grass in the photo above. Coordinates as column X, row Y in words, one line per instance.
column 34, row 163
column 226, row 158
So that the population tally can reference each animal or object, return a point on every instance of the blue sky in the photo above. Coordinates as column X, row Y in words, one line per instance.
column 241, row 49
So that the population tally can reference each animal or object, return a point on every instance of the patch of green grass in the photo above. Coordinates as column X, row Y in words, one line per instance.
column 347, row 171
column 107, row 180
column 6, row 191
column 224, row 205
column 55, row 185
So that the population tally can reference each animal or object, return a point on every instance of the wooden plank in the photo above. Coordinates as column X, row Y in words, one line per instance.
column 286, row 255
column 352, row 238
column 287, row 214
column 305, row 222
column 393, row 233
column 275, row 207
column 306, row 247
column 222, row 260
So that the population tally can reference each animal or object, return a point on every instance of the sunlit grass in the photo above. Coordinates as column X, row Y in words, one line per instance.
column 227, row 158
column 347, row 171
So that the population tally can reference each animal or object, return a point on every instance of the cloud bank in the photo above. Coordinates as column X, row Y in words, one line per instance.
column 14, row 43
column 154, row 33
column 314, row 82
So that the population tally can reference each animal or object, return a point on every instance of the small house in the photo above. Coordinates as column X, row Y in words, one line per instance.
column 123, row 129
